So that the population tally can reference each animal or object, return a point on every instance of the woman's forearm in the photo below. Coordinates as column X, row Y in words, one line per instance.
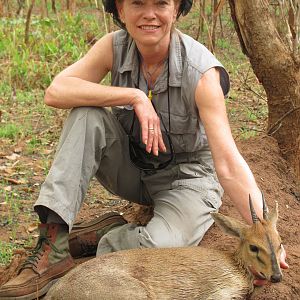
column 238, row 182
column 69, row 92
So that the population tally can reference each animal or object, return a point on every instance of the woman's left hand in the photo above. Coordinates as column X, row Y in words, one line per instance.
column 149, row 122
column 283, row 263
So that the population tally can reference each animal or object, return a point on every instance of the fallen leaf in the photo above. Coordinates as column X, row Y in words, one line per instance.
column 19, row 242
column 9, row 171
column 32, row 227
column 7, row 188
column 18, row 150
column 14, row 156
column 47, row 151
column 15, row 181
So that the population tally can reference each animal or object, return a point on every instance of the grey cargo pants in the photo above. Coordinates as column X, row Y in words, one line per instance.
column 93, row 143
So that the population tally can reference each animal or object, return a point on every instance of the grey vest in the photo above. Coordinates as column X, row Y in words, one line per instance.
column 188, row 61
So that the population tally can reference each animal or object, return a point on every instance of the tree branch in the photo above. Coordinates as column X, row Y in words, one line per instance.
column 271, row 131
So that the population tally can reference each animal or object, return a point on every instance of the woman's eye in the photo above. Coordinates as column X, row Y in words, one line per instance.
column 137, row 3
column 162, row 3
column 254, row 248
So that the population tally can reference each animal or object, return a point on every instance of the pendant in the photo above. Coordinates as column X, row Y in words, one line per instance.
column 150, row 95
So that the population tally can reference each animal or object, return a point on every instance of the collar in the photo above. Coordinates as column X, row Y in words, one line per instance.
column 131, row 64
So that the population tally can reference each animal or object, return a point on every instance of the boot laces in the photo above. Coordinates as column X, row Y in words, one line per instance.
column 37, row 253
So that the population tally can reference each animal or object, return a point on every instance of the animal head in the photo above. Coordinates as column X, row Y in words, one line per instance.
column 260, row 243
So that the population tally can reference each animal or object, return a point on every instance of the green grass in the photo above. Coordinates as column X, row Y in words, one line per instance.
column 13, row 201
column 10, row 131
column 54, row 43
column 246, row 133
column 6, row 252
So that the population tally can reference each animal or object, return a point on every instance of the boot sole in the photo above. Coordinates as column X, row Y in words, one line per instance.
column 35, row 295
column 86, row 228
column 93, row 225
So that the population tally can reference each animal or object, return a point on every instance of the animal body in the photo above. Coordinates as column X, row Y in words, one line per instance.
column 181, row 273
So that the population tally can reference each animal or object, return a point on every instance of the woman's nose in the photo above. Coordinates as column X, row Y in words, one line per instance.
column 150, row 12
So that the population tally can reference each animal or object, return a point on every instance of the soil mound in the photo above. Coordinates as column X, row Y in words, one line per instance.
column 278, row 183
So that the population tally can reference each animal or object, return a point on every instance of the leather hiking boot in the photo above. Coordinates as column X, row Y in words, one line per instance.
column 84, row 238
column 49, row 261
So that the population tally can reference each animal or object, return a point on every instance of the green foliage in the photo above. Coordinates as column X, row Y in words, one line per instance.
column 246, row 133
column 13, row 202
column 6, row 252
column 223, row 43
column 54, row 43
column 10, row 131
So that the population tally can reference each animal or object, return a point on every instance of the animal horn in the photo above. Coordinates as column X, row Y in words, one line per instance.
column 265, row 207
column 252, row 211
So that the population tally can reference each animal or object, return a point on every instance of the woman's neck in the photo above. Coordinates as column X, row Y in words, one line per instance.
column 153, row 58
column 154, row 55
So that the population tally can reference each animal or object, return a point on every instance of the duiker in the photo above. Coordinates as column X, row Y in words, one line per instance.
column 181, row 273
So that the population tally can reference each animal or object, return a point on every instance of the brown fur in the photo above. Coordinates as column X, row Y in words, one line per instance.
column 175, row 273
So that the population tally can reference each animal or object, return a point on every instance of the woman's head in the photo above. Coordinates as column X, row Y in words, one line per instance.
column 110, row 6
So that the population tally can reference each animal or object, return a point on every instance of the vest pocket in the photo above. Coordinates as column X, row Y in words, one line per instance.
column 184, row 131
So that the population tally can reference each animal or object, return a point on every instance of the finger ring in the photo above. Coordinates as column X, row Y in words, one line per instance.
column 150, row 128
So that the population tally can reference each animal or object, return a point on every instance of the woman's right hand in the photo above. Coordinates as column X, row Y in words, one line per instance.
column 149, row 122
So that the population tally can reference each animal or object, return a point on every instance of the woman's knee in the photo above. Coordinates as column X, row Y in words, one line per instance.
column 89, row 112
column 161, row 235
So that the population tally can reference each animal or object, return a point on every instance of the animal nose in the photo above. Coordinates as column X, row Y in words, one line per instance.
column 276, row 278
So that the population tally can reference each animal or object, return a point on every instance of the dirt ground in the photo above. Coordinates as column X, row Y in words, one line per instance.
column 274, row 178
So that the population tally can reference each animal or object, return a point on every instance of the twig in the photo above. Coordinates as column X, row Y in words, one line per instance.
column 211, row 47
column 28, row 21
column 253, row 91
column 278, row 122
column 105, row 21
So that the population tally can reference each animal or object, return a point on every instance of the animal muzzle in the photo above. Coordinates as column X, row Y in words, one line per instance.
column 276, row 277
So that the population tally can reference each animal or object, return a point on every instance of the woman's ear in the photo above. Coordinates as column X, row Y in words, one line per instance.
column 119, row 5
column 176, row 8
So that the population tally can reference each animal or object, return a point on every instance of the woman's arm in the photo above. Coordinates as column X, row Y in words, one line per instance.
column 78, row 85
column 233, row 172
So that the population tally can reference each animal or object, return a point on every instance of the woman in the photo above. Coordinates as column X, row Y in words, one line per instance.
column 167, row 135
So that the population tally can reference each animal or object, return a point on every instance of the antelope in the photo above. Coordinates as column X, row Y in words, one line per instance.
column 182, row 273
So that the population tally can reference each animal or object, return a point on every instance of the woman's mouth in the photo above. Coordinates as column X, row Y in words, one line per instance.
column 149, row 27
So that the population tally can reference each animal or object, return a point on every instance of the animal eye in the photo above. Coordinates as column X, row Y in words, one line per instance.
column 254, row 248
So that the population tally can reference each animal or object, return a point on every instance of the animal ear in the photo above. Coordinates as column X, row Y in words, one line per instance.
column 273, row 215
column 229, row 225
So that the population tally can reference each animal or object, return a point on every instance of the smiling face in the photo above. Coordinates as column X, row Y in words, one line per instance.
column 149, row 22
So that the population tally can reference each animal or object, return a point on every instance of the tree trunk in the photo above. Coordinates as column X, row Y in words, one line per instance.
column 276, row 68
column 1, row 9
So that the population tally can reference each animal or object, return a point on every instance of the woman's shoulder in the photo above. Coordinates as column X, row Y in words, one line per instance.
column 120, row 37
column 197, row 55
column 198, row 59
column 190, row 43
